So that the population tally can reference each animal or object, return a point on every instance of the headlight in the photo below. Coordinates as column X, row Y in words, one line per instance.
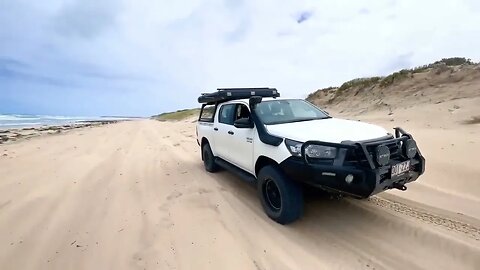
column 294, row 147
column 410, row 148
column 312, row 151
column 319, row 151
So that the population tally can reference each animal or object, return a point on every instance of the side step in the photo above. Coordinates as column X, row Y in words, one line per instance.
column 234, row 169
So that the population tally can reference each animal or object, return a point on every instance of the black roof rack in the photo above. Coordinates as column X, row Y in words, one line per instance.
column 226, row 94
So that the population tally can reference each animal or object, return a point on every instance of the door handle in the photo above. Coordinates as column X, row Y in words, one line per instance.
column 216, row 129
column 231, row 132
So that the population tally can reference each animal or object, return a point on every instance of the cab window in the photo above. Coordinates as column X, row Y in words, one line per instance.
column 227, row 113
column 242, row 111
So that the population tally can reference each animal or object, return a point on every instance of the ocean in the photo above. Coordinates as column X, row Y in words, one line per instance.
column 21, row 120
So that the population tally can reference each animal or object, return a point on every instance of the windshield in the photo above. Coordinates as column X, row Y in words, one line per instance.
column 286, row 111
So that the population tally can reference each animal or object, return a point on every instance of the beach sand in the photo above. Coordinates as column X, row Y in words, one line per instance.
column 135, row 195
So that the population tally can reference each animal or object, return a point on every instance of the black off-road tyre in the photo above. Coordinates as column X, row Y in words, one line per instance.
column 282, row 199
column 209, row 159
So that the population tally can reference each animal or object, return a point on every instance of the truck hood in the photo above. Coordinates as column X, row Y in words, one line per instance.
column 327, row 130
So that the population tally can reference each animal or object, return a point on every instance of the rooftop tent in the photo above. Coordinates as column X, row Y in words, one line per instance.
column 226, row 94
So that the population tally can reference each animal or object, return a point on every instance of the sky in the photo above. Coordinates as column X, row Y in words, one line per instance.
column 144, row 57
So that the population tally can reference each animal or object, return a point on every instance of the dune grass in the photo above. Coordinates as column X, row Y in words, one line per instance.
column 178, row 115
column 396, row 77
column 358, row 83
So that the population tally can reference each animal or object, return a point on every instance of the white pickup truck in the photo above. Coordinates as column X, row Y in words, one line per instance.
column 286, row 145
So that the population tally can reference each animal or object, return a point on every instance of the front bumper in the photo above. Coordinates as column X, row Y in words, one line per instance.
column 369, row 178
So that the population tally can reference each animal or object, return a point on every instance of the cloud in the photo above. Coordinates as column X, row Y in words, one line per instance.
column 11, row 69
column 86, row 18
column 304, row 16
column 364, row 11
column 144, row 57
column 7, row 63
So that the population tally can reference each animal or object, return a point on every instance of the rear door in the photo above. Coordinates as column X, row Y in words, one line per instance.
column 223, row 131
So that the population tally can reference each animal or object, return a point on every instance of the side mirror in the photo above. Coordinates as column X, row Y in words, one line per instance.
column 243, row 123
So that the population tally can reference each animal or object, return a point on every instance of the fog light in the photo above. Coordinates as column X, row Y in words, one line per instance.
column 410, row 148
column 383, row 155
column 349, row 179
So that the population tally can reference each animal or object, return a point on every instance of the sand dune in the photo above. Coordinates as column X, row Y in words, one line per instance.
column 134, row 195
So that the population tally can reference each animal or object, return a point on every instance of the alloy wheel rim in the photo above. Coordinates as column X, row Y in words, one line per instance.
column 272, row 195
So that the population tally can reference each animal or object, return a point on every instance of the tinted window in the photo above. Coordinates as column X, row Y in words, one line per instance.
column 227, row 113
column 287, row 111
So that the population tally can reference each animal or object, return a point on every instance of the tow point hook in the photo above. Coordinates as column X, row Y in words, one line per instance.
column 399, row 186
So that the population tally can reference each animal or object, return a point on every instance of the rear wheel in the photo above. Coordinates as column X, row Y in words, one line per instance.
column 208, row 159
column 282, row 199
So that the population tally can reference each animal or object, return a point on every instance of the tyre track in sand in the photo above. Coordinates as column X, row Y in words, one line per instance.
column 141, row 199
column 470, row 230
column 345, row 234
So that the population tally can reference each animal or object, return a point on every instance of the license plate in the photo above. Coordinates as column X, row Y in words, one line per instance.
column 400, row 168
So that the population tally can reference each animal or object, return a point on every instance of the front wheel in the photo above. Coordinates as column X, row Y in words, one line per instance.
column 208, row 159
column 282, row 199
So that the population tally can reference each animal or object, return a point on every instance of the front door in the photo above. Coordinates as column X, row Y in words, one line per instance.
column 241, row 153
column 232, row 144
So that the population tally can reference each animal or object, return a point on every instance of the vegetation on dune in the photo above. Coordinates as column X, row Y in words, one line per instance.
column 314, row 94
column 178, row 115
column 371, row 82
column 455, row 61
column 450, row 62
column 405, row 73
column 394, row 77
column 358, row 83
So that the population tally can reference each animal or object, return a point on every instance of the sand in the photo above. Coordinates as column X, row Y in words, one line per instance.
column 134, row 195
column 451, row 146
